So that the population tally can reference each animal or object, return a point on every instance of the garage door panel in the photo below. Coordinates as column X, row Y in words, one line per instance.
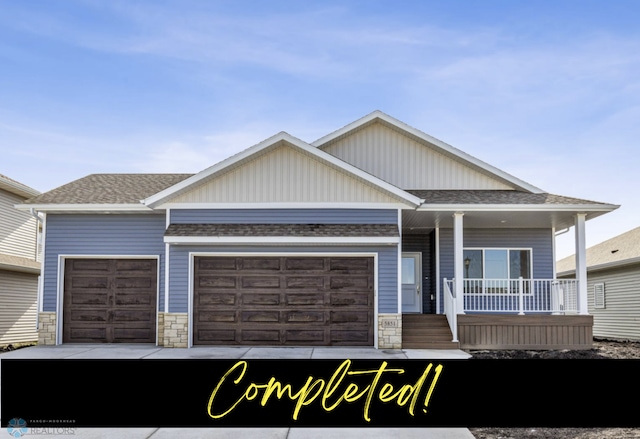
column 261, row 282
column 305, row 299
column 305, row 282
column 262, row 299
column 306, row 336
column 218, row 316
column 305, row 317
column 90, row 298
column 261, row 336
column 216, row 299
column 90, row 282
column 287, row 300
column 353, row 299
column 306, row 264
column 350, row 265
column 119, row 305
column 350, row 283
column 214, row 282
column 260, row 316
column 260, row 264
column 216, row 264
column 342, row 337
column 88, row 316
column 89, row 265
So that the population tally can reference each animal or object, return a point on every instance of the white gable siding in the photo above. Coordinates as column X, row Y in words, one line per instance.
column 283, row 174
column 407, row 163
column 17, row 228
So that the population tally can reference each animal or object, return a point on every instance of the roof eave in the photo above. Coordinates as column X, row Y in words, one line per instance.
column 94, row 208
column 604, row 266
column 602, row 208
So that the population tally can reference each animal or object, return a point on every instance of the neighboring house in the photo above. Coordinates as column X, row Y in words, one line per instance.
column 19, row 265
column 354, row 239
column 613, row 279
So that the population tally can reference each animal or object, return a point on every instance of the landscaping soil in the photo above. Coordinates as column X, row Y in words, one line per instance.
column 602, row 349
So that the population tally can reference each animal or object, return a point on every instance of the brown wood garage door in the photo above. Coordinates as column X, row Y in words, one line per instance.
column 110, row 300
column 291, row 300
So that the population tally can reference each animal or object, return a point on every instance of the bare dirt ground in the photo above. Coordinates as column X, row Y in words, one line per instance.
column 601, row 349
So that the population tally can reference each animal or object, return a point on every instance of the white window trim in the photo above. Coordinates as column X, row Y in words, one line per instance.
column 483, row 249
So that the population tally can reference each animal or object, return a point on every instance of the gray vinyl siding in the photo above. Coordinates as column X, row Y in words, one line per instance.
column 387, row 270
column 100, row 235
column 539, row 240
column 620, row 319
column 18, row 308
column 18, row 229
column 284, row 216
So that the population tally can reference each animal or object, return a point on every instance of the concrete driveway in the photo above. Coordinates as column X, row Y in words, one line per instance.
column 114, row 351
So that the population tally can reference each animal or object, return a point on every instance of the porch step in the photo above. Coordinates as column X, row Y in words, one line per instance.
column 426, row 331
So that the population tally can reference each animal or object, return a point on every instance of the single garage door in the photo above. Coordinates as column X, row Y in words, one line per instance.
column 110, row 300
column 290, row 300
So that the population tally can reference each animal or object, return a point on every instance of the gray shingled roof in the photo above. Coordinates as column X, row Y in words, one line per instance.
column 494, row 197
column 109, row 189
column 277, row 230
column 617, row 250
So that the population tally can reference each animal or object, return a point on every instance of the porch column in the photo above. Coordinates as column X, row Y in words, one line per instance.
column 458, row 263
column 581, row 263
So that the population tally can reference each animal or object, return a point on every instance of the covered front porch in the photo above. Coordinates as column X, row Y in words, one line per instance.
column 493, row 271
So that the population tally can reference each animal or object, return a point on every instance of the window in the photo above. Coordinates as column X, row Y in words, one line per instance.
column 493, row 263
column 496, row 270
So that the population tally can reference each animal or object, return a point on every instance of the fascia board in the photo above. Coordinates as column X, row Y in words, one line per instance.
column 432, row 140
column 162, row 196
column 248, row 240
column 518, row 207
column 84, row 207
column 17, row 188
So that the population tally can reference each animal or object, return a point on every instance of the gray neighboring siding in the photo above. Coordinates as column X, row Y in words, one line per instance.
column 18, row 309
column 102, row 235
column 620, row 319
column 284, row 216
column 539, row 240
column 387, row 270
column 18, row 229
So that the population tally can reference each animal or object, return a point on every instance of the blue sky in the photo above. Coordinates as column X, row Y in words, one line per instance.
column 548, row 91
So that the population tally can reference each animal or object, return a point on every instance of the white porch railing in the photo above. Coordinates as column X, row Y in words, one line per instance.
column 519, row 295
column 450, row 309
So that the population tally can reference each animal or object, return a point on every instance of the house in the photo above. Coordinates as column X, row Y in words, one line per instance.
column 19, row 265
column 613, row 285
column 376, row 234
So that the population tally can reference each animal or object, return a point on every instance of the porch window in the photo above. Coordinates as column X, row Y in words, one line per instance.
column 495, row 270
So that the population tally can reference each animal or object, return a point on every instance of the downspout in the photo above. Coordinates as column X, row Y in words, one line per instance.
column 39, row 221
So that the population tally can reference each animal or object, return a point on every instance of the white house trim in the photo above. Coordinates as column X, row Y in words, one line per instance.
column 278, row 240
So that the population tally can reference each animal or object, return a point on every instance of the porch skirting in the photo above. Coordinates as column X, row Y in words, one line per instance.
column 543, row 332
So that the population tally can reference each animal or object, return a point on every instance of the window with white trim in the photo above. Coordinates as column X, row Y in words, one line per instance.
column 496, row 270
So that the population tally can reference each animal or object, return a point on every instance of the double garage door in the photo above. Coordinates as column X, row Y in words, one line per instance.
column 290, row 300
column 251, row 300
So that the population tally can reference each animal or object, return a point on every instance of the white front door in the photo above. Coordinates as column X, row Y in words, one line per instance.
column 411, row 284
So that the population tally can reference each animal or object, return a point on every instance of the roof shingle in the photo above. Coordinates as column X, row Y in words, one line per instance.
column 109, row 189
column 494, row 197
column 278, row 230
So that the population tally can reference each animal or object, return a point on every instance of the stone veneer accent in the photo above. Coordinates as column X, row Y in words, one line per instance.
column 176, row 330
column 389, row 331
column 47, row 328
column 160, row 328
